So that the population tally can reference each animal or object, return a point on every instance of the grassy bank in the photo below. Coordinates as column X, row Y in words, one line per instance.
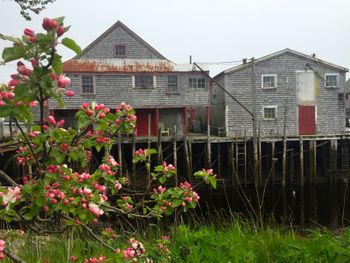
column 239, row 242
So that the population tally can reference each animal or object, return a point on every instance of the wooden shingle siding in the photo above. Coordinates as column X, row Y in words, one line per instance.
column 330, row 111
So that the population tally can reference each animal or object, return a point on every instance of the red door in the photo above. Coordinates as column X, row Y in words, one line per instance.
column 142, row 122
column 307, row 123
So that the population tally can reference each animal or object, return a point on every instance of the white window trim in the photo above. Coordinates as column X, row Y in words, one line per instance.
column 269, row 107
column 93, row 83
column 331, row 74
column 268, row 75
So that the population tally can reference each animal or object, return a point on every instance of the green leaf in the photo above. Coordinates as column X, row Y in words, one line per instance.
column 98, row 147
column 41, row 201
column 176, row 203
column 57, row 64
column 59, row 20
column 70, row 43
column 12, row 53
column 9, row 38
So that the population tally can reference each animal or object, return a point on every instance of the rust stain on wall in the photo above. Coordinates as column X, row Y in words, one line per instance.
column 102, row 67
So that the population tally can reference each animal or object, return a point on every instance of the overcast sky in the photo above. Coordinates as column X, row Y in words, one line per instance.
column 209, row 30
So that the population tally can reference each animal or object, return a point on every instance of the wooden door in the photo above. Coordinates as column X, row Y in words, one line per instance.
column 307, row 123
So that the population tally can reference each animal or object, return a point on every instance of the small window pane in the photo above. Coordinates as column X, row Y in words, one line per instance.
column 331, row 80
column 120, row 50
column 144, row 81
column 172, row 83
column 197, row 83
column 269, row 81
column 270, row 113
column 87, row 83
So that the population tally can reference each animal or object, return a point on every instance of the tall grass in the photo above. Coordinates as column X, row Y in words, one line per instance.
column 236, row 242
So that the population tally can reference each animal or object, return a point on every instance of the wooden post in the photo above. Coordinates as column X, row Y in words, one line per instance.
column 159, row 147
column 2, row 130
column 284, row 161
column 236, row 154
column 149, row 147
column 190, row 156
column 334, row 149
column 120, row 157
column 260, row 157
column 187, row 158
column 273, row 161
column 219, row 158
column 314, row 159
column 175, row 154
column 291, row 167
column 133, row 149
column 232, row 162
column 245, row 158
column 208, row 139
column 301, row 155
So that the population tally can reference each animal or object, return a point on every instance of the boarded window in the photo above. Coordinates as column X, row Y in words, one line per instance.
column 331, row 80
column 144, row 81
column 269, row 81
column 87, row 84
column 197, row 83
column 120, row 51
column 270, row 112
column 172, row 84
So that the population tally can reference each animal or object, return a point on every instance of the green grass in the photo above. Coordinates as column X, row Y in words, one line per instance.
column 237, row 242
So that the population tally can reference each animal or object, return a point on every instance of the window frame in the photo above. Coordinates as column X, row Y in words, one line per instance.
column 153, row 77
column 337, row 80
column 269, row 107
column 115, row 50
column 196, row 83
column 268, row 75
column 93, row 84
column 177, row 84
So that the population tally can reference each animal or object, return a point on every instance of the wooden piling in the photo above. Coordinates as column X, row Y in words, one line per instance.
column 133, row 149
column 175, row 155
column 284, row 161
column 159, row 146
column 219, row 159
column 232, row 162
column 259, row 164
column 301, row 155
column 236, row 155
column 314, row 160
column 149, row 147
column 245, row 158
column 291, row 167
column 120, row 156
column 187, row 158
column 190, row 155
column 273, row 161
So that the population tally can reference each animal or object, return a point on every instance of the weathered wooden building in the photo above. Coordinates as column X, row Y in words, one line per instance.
column 119, row 66
column 295, row 93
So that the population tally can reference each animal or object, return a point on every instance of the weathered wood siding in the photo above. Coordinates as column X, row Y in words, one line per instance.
column 330, row 111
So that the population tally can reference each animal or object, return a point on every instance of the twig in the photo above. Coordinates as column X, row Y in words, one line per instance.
column 8, row 178
column 13, row 256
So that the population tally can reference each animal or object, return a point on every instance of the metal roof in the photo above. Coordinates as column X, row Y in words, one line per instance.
column 126, row 66
column 287, row 50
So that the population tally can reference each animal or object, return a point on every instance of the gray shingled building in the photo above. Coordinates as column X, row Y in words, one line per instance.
column 298, row 93
column 119, row 66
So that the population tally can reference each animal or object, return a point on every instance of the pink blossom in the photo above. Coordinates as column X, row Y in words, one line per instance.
column 12, row 195
column 63, row 81
column 60, row 123
column 34, row 62
column 70, row 93
column 85, row 105
column 32, row 104
column 117, row 185
column 13, row 82
column 94, row 209
column 51, row 120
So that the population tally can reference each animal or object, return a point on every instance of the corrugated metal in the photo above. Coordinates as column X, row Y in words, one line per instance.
column 307, row 123
column 125, row 65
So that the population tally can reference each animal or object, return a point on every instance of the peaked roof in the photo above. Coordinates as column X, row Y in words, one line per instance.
column 287, row 50
column 129, row 31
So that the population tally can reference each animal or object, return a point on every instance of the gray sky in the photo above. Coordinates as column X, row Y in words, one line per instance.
column 209, row 30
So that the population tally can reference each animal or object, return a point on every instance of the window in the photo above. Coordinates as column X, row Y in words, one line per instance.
column 87, row 84
column 270, row 112
column 269, row 81
column 172, row 84
column 120, row 51
column 197, row 83
column 331, row 80
column 144, row 81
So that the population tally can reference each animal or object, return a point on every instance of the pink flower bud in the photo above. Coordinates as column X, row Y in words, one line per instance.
column 29, row 32
column 61, row 123
column 60, row 31
column 51, row 120
column 46, row 209
column 70, row 93
column 32, row 104
column 13, row 82
column 49, row 24
column 85, row 105
column 2, row 103
column 35, row 63
column 89, row 113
